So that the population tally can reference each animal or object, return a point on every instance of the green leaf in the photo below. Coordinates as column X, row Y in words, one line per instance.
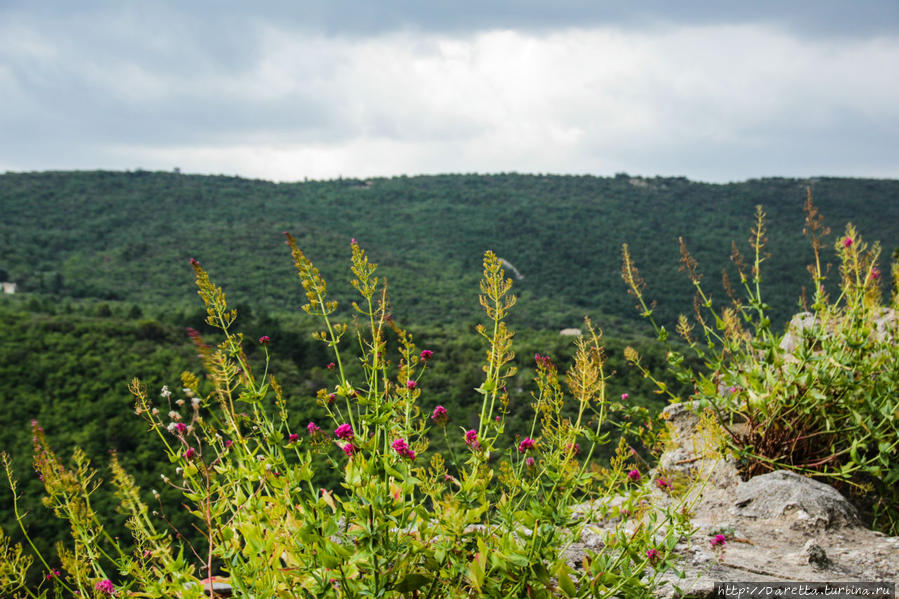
column 412, row 582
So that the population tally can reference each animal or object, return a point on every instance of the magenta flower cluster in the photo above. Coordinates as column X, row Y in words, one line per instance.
column 344, row 431
column 544, row 361
column 402, row 448
column 471, row 438
column 410, row 384
column 349, row 449
column 105, row 586
column 426, row 355
column 440, row 415
column 313, row 428
column 526, row 444
column 718, row 540
column 264, row 340
column 634, row 475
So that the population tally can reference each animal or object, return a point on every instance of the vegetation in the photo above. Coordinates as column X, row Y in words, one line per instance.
column 820, row 398
column 491, row 519
column 125, row 236
column 86, row 323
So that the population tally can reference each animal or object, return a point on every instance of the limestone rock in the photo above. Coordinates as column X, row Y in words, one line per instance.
column 782, row 493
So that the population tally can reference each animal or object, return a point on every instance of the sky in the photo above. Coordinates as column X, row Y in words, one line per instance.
column 712, row 90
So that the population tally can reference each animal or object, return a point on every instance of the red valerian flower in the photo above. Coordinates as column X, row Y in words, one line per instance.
column 526, row 444
column 718, row 540
column 344, row 431
column 190, row 453
column 634, row 475
column 426, row 355
column 401, row 447
column 847, row 242
column 293, row 438
column 105, row 586
column 654, row 556
column 471, row 438
column 313, row 428
column 349, row 449
column 264, row 340
column 440, row 415
column 410, row 384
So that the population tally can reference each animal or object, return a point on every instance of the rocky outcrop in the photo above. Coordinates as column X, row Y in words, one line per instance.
column 779, row 526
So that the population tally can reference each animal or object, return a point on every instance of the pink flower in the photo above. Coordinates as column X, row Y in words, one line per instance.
column 401, row 447
column 180, row 427
column 718, row 540
column 624, row 396
column 190, row 453
column 653, row 556
column 53, row 574
column 105, row 586
column 349, row 449
column 331, row 397
column 264, row 340
column 663, row 483
column 331, row 365
column 440, row 415
column 194, row 262
column 544, row 361
column 875, row 273
column 573, row 448
column 529, row 462
column 733, row 389
column 228, row 442
column 344, row 431
column 447, row 478
column 634, row 475
column 426, row 355
column 313, row 428
column 411, row 384
column 847, row 242
column 526, row 444
column 293, row 438
column 353, row 241
column 471, row 438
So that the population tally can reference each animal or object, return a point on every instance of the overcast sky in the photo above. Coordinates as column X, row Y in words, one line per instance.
column 714, row 91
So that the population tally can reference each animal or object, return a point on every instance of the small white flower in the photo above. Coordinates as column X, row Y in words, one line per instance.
column 188, row 392
column 195, row 402
column 155, row 411
column 165, row 392
column 178, row 470
column 174, row 415
column 180, row 402
column 171, row 427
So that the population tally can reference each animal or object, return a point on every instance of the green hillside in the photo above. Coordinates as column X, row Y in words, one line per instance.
column 128, row 236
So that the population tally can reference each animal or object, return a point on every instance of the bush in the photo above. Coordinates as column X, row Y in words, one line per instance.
column 493, row 521
column 820, row 398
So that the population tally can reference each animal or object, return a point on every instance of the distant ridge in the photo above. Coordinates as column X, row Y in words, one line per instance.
column 128, row 236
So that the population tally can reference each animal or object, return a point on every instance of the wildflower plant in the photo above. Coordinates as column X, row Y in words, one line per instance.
column 819, row 398
column 404, row 520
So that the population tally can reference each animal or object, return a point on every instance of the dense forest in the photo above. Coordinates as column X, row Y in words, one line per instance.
column 128, row 236
column 105, row 291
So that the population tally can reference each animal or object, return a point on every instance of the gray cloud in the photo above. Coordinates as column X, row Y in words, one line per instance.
column 712, row 90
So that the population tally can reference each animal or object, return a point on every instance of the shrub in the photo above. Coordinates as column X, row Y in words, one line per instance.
column 492, row 522
column 820, row 398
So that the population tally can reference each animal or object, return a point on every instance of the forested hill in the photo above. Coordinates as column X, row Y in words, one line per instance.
column 128, row 236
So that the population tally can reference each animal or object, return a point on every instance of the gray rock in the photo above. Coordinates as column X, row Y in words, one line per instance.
column 782, row 493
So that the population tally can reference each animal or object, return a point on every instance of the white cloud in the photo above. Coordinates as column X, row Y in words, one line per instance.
column 714, row 102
